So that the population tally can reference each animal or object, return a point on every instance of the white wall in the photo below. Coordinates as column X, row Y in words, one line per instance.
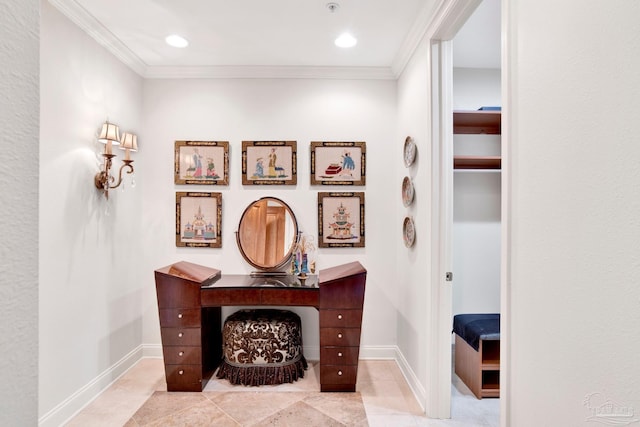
column 278, row 109
column 476, row 202
column 573, row 276
column 19, row 32
column 91, row 289
column 476, row 87
column 413, row 264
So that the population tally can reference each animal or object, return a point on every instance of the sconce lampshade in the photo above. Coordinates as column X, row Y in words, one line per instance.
column 109, row 133
column 130, row 141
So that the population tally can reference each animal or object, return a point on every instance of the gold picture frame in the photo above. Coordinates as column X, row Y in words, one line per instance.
column 338, row 163
column 341, row 220
column 199, row 220
column 201, row 162
column 269, row 163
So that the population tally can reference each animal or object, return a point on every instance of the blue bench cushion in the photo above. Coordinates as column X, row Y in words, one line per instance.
column 475, row 327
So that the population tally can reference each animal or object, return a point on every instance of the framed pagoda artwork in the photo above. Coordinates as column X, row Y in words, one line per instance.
column 338, row 163
column 341, row 219
column 202, row 162
column 199, row 220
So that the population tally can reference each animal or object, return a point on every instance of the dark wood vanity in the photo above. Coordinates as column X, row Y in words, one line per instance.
column 189, row 301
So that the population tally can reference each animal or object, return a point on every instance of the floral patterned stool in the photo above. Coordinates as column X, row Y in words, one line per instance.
column 262, row 346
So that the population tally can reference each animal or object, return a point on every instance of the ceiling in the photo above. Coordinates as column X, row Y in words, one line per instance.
column 254, row 38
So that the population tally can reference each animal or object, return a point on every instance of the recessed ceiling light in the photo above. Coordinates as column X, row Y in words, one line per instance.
column 346, row 40
column 333, row 7
column 176, row 41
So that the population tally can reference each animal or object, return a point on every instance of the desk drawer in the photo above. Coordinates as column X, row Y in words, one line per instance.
column 215, row 297
column 339, row 355
column 181, row 355
column 299, row 297
column 338, row 374
column 348, row 293
column 181, row 336
column 340, row 318
column 184, row 377
column 177, row 317
column 342, row 337
column 172, row 292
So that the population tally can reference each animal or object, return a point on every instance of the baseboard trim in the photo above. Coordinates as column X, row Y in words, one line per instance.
column 416, row 388
column 75, row 403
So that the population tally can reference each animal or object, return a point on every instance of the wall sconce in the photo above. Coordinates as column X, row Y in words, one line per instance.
column 110, row 136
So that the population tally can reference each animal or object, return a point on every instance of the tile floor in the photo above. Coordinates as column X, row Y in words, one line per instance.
column 387, row 399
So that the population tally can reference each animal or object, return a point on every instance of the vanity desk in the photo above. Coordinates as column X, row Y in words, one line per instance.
column 190, row 297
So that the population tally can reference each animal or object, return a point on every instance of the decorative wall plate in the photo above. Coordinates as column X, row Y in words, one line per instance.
column 409, row 151
column 409, row 232
column 407, row 191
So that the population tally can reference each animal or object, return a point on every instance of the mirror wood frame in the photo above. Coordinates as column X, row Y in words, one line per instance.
column 262, row 234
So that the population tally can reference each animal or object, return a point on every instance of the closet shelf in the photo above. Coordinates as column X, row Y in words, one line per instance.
column 477, row 122
column 488, row 122
column 477, row 162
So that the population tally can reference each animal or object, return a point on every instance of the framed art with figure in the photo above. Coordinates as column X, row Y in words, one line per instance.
column 202, row 162
column 341, row 219
column 338, row 163
column 199, row 219
column 269, row 163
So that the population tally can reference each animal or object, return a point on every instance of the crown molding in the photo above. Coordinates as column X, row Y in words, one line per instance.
column 270, row 72
column 430, row 23
column 413, row 39
column 90, row 25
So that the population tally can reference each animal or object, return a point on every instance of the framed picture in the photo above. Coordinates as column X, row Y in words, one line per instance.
column 338, row 163
column 202, row 162
column 269, row 162
column 340, row 220
column 199, row 219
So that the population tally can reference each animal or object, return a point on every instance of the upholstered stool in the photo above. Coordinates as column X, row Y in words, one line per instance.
column 262, row 346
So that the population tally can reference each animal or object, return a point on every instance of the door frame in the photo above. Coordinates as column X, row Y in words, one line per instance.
column 448, row 20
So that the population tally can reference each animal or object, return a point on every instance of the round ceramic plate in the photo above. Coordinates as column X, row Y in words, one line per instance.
column 409, row 151
column 407, row 191
column 409, row 232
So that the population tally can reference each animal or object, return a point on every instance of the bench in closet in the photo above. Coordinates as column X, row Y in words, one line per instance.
column 477, row 352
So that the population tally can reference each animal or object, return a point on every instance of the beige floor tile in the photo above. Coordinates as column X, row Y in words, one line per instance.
column 387, row 398
column 299, row 414
column 204, row 414
column 247, row 408
column 344, row 407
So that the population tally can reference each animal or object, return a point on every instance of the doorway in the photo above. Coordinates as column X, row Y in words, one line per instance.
column 454, row 15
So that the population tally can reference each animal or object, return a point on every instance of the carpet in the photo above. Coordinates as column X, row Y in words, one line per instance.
column 251, row 408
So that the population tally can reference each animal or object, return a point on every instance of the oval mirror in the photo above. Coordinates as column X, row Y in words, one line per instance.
column 267, row 233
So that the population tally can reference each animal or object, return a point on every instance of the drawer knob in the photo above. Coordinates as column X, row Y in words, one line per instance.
column 179, row 315
column 181, row 353
column 339, row 316
column 339, row 354
column 339, row 373
column 180, row 372
column 179, row 334
column 339, row 335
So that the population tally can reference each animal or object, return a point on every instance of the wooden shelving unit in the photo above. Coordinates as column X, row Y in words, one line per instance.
column 477, row 122
column 490, row 382
column 477, row 162
column 479, row 369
